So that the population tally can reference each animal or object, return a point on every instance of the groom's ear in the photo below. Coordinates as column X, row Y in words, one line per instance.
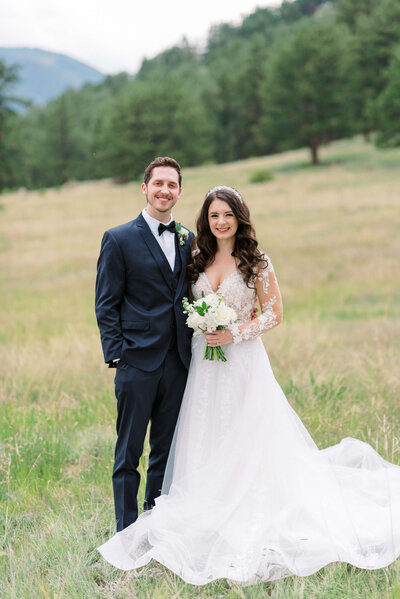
column 144, row 188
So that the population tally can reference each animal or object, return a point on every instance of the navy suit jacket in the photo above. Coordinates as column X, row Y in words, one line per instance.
column 137, row 308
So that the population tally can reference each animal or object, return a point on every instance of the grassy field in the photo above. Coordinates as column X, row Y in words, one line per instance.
column 332, row 233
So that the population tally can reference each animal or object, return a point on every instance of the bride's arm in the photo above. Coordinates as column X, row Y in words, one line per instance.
column 270, row 300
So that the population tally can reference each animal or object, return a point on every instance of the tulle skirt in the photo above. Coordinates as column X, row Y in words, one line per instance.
column 247, row 494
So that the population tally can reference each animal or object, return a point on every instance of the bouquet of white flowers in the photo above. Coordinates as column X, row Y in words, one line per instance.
column 209, row 313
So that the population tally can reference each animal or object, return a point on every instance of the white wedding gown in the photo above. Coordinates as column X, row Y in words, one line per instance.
column 249, row 495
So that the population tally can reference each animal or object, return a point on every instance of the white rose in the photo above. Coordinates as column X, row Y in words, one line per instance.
column 212, row 300
column 195, row 321
column 211, row 321
column 224, row 315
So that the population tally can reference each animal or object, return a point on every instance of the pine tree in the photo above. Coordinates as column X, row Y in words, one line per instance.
column 8, row 77
column 305, row 94
column 388, row 105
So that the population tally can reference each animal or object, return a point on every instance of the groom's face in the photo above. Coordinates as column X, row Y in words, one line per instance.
column 162, row 192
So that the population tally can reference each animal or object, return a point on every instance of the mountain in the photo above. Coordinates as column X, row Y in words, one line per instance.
column 45, row 75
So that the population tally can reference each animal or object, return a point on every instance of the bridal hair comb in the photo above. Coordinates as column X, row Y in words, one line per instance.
column 226, row 188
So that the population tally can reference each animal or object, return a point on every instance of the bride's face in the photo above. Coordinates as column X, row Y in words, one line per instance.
column 223, row 223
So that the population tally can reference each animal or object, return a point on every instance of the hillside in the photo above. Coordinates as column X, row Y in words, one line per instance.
column 45, row 75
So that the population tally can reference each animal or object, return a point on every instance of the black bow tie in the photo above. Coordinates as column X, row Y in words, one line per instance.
column 170, row 227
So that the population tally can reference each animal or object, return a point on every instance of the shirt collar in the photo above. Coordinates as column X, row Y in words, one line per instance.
column 153, row 222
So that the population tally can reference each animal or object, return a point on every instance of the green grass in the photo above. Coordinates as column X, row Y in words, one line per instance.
column 332, row 234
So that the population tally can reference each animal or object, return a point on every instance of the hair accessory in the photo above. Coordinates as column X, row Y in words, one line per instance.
column 226, row 188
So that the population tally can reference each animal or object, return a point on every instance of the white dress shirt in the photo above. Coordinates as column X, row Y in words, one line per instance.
column 166, row 241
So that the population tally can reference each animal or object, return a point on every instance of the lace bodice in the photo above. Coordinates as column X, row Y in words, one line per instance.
column 242, row 299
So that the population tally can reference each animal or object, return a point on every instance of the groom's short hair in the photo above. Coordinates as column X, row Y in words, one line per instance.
column 162, row 161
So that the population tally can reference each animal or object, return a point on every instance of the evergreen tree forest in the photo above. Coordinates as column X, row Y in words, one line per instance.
column 303, row 74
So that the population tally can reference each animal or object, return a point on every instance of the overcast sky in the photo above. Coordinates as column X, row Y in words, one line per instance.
column 114, row 35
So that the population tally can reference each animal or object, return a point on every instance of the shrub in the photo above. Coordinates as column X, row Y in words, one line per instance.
column 261, row 175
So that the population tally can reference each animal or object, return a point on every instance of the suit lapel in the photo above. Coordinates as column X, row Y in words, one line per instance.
column 155, row 250
column 182, row 276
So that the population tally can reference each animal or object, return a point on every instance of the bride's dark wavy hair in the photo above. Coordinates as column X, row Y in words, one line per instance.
column 204, row 246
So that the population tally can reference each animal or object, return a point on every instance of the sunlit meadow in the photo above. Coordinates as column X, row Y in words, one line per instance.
column 333, row 234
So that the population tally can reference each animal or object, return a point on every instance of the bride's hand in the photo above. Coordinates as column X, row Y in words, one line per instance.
column 221, row 337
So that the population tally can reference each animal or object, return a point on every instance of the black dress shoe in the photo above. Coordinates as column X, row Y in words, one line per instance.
column 148, row 504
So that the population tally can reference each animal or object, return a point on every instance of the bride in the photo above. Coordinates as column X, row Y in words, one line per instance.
column 247, row 494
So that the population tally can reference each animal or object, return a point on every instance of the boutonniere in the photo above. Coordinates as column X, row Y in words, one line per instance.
column 183, row 234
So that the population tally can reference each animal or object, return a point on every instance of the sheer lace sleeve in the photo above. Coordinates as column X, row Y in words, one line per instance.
column 270, row 300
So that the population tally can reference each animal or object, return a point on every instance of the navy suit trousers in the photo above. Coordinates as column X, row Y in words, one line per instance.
column 144, row 397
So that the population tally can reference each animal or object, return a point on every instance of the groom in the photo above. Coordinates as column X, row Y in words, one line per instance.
column 141, row 280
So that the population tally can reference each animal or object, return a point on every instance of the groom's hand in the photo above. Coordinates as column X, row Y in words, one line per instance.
column 113, row 363
column 222, row 337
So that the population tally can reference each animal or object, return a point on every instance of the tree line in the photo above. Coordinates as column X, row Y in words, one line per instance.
column 304, row 74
